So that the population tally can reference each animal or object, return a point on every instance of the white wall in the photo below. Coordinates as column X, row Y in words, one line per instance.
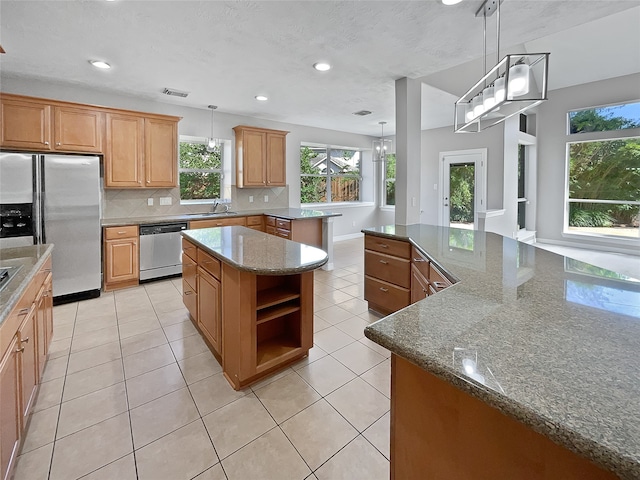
column 552, row 146
column 197, row 122
column 443, row 140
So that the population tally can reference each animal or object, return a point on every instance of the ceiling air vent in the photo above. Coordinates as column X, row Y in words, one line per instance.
column 362, row 113
column 175, row 93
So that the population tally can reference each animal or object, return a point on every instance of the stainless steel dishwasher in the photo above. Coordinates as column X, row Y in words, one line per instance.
column 160, row 250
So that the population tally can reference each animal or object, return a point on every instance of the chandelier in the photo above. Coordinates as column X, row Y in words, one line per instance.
column 381, row 147
column 515, row 84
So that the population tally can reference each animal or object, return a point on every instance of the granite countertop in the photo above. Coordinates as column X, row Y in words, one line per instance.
column 550, row 341
column 257, row 252
column 288, row 213
column 28, row 260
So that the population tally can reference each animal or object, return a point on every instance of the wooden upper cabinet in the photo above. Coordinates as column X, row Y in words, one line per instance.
column 124, row 153
column 78, row 129
column 25, row 124
column 161, row 153
column 260, row 157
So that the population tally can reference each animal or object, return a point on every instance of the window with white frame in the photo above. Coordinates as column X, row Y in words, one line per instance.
column 389, row 181
column 603, row 193
column 200, row 170
column 330, row 174
column 522, row 182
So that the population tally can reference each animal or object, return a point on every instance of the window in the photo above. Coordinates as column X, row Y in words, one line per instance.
column 200, row 171
column 604, row 174
column 390, row 180
column 522, row 199
column 329, row 174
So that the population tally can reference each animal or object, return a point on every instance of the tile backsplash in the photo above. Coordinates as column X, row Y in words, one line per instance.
column 134, row 203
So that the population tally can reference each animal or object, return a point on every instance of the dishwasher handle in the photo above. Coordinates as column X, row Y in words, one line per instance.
column 160, row 228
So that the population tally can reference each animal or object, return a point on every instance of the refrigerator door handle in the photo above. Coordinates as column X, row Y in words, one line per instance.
column 42, row 234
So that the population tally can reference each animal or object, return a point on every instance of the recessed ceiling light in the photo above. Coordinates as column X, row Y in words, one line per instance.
column 100, row 64
column 261, row 98
column 450, row 2
column 322, row 66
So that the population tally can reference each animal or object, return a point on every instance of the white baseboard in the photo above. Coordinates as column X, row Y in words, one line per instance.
column 349, row 236
column 590, row 246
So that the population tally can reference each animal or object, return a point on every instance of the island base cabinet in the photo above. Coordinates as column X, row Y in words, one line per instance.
column 209, row 309
column 440, row 432
column 9, row 408
column 273, row 326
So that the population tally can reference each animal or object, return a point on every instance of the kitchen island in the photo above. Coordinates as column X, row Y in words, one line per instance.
column 525, row 367
column 251, row 296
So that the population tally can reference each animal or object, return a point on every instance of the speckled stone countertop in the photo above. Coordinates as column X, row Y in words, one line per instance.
column 548, row 340
column 257, row 252
column 288, row 213
column 29, row 260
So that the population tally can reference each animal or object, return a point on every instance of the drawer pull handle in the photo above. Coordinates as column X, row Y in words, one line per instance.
column 383, row 262
column 121, row 233
column 46, row 143
column 26, row 340
column 23, row 312
column 20, row 350
column 383, row 245
column 188, row 293
column 416, row 260
column 440, row 284
column 384, row 289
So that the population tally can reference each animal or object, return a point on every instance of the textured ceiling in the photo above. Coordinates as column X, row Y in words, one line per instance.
column 225, row 53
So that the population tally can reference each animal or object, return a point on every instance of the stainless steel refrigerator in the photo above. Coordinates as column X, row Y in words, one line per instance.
column 55, row 199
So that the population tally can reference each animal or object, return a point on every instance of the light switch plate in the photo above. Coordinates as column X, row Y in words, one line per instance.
column 250, row 198
column 150, row 202
column 165, row 200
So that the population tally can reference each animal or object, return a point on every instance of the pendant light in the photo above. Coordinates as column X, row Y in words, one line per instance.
column 212, row 143
column 381, row 147
column 518, row 79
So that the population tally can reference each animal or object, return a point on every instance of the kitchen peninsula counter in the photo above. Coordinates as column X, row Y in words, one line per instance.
column 548, row 341
column 251, row 296
column 28, row 260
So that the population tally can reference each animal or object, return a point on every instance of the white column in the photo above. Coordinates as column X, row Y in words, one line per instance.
column 327, row 241
column 408, row 150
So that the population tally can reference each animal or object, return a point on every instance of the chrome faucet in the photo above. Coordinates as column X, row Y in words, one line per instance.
column 215, row 206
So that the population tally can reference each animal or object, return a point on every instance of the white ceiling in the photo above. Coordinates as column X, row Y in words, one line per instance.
column 225, row 53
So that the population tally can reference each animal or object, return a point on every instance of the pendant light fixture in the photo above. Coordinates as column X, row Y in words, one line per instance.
column 212, row 143
column 515, row 84
column 381, row 147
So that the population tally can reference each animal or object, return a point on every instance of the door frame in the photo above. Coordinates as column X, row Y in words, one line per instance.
column 480, row 181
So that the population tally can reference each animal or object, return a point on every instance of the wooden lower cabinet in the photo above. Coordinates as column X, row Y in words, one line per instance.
column 419, row 285
column 441, row 432
column 304, row 230
column 10, row 409
column 218, row 222
column 209, row 312
column 25, row 335
column 121, row 257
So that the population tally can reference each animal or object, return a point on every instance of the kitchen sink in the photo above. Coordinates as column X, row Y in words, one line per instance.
column 209, row 214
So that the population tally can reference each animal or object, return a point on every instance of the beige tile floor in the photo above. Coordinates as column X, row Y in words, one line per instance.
column 131, row 391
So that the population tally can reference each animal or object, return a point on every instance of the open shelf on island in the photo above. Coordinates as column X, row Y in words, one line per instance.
column 278, row 337
column 276, row 311
column 275, row 296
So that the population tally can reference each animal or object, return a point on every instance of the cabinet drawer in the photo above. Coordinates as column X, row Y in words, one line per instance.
column 190, row 299
column 271, row 221
column 420, row 261
column 114, row 233
column 397, row 248
column 259, row 228
column 271, row 230
column 218, row 222
column 437, row 278
column 254, row 220
column 189, row 249
column 390, row 269
column 283, row 233
column 208, row 263
column 284, row 224
column 189, row 268
column 385, row 295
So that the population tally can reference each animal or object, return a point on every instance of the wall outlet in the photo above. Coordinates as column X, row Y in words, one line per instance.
column 250, row 198
column 266, row 199
column 165, row 200
column 435, row 186
column 353, row 224
column 413, row 201
column 150, row 202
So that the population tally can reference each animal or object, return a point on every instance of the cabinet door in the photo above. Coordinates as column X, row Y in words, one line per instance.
column 124, row 151
column 419, row 285
column 161, row 153
column 78, row 130
column 9, row 408
column 190, row 299
column 48, row 310
column 276, row 160
column 41, row 328
column 25, row 125
column 121, row 259
column 209, row 309
column 28, row 348
column 253, row 158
